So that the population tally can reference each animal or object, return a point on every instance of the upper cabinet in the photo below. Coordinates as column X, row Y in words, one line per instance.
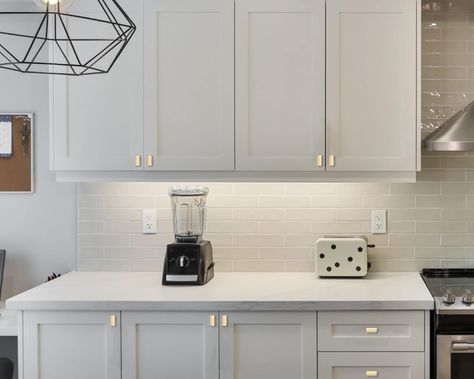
column 371, row 92
column 279, row 84
column 250, row 89
column 97, row 120
column 189, row 84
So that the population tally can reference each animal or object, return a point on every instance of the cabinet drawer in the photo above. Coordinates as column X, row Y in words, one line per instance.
column 371, row 365
column 371, row 331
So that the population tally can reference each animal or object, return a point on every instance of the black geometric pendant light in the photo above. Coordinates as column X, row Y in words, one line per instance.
column 62, row 38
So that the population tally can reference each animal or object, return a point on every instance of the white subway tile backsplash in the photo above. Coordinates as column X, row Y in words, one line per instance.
column 273, row 226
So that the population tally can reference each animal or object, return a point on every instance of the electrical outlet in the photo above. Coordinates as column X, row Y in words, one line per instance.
column 379, row 221
column 149, row 221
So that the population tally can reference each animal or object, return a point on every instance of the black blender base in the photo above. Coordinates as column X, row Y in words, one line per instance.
column 188, row 264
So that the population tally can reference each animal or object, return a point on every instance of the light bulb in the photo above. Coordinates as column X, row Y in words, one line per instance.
column 54, row 5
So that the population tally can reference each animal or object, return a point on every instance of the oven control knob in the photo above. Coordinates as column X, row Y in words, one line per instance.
column 449, row 297
column 182, row 261
column 467, row 298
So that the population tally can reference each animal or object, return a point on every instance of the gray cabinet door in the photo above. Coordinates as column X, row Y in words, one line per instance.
column 72, row 345
column 371, row 365
column 189, row 85
column 169, row 345
column 268, row 345
column 371, row 86
column 96, row 121
column 279, row 73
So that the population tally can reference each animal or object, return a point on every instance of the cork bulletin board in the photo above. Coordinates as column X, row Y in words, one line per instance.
column 16, row 152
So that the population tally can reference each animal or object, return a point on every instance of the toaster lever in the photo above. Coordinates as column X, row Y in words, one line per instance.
column 371, row 245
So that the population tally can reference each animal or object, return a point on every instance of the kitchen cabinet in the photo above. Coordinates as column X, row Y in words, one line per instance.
column 268, row 345
column 371, row 88
column 73, row 345
column 170, row 345
column 191, row 344
column 249, row 90
column 279, row 79
column 96, row 121
column 189, row 85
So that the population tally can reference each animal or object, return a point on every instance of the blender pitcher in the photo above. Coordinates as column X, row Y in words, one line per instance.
column 188, row 205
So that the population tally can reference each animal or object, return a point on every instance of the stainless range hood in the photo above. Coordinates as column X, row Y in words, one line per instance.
column 456, row 134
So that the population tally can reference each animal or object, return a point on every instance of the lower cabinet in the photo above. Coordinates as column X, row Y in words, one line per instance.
column 366, row 365
column 252, row 345
column 170, row 345
column 268, row 345
column 223, row 345
column 71, row 345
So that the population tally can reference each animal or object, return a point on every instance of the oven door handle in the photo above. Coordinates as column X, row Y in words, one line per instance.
column 463, row 346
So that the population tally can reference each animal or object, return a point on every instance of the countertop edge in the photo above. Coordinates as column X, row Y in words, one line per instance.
column 422, row 305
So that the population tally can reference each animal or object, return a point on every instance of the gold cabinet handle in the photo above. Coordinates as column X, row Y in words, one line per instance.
column 371, row 330
column 138, row 160
column 212, row 320
column 319, row 160
column 149, row 160
column 371, row 374
column 113, row 321
column 332, row 160
column 224, row 321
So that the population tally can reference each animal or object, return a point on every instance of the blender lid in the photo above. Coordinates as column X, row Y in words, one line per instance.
column 188, row 191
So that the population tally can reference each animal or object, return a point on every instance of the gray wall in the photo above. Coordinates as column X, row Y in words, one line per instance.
column 37, row 230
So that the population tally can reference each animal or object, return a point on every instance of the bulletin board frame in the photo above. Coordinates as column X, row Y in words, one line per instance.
column 31, row 151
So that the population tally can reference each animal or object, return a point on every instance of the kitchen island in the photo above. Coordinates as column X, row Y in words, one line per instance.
column 238, row 326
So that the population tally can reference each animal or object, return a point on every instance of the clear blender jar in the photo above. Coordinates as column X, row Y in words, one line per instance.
column 188, row 205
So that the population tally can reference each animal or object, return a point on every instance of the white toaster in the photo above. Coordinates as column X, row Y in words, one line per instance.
column 341, row 256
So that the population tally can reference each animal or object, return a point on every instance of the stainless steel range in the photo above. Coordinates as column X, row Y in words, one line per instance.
column 452, row 322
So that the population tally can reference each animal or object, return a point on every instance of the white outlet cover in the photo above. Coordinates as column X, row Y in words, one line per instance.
column 379, row 221
column 149, row 221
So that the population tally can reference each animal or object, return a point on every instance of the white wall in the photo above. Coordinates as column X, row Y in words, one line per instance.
column 37, row 230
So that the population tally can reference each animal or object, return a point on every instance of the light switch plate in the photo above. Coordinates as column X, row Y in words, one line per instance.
column 149, row 221
column 379, row 221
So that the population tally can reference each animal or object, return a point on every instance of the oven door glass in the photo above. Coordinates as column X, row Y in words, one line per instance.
column 455, row 357
column 462, row 366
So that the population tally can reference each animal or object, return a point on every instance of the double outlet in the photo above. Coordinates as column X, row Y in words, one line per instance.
column 149, row 221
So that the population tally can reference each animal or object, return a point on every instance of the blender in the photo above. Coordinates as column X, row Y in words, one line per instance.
column 188, row 259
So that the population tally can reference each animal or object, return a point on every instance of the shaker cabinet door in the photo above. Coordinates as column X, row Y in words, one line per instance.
column 72, row 345
column 170, row 345
column 371, row 85
column 279, row 73
column 97, row 120
column 268, row 345
column 189, row 85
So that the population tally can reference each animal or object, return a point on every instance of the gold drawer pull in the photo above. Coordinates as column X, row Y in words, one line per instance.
column 149, row 160
column 224, row 321
column 371, row 330
column 332, row 160
column 138, row 160
column 113, row 321
column 371, row 374
column 319, row 161
column 212, row 320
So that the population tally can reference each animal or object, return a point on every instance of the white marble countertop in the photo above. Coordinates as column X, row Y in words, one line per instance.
column 227, row 291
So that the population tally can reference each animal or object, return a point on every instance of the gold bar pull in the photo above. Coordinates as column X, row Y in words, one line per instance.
column 371, row 330
column 149, row 160
column 212, row 320
column 319, row 160
column 138, row 160
column 371, row 374
column 332, row 160
column 224, row 321
column 113, row 321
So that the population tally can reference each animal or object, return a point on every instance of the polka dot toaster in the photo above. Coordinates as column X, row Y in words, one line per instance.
column 342, row 256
